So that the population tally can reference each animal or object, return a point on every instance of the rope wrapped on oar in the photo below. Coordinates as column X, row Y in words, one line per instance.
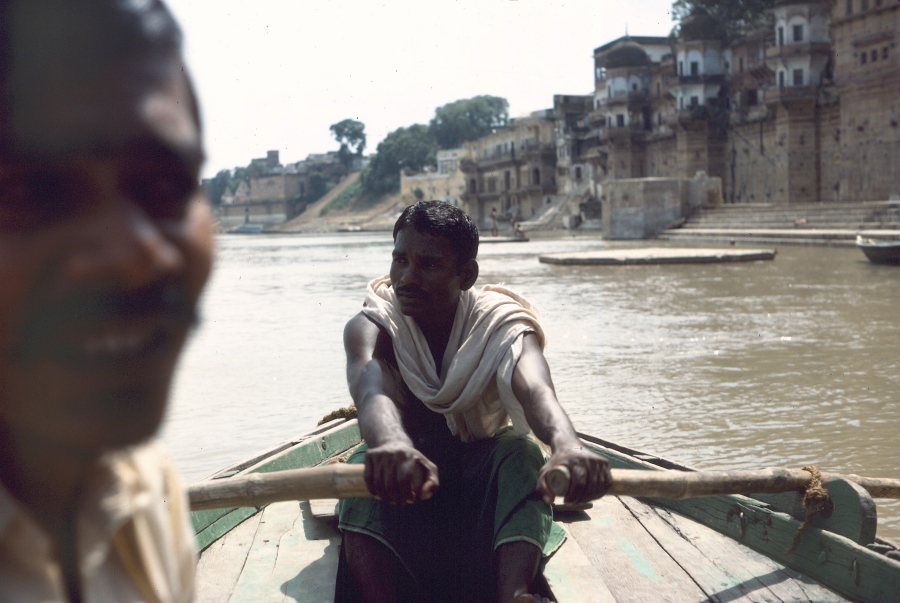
column 815, row 501
column 345, row 481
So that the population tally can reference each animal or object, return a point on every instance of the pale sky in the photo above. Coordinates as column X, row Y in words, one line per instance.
column 275, row 74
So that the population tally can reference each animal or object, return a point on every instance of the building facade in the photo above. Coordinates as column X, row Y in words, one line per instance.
column 804, row 110
column 513, row 170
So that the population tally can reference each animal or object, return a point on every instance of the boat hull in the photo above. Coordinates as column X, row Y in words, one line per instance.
column 880, row 251
column 623, row 550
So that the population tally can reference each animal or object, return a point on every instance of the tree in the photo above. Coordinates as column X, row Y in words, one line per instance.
column 352, row 136
column 468, row 119
column 735, row 17
column 408, row 149
column 318, row 186
column 218, row 186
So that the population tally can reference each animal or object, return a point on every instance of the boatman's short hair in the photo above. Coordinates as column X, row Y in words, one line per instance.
column 442, row 219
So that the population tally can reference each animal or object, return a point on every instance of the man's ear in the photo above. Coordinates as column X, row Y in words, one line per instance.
column 468, row 274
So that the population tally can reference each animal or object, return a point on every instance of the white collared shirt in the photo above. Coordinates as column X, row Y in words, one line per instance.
column 134, row 539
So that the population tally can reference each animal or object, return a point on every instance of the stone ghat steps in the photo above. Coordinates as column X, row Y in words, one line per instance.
column 806, row 224
column 843, row 216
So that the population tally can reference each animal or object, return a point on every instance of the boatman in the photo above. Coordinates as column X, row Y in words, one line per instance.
column 437, row 371
column 105, row 245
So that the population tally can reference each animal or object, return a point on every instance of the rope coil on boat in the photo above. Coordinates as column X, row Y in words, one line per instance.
column 815, row 502
column 342, row 413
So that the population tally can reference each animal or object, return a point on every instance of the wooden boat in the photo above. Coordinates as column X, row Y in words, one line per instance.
column 247, row 229
column 878, row 248
column 623, row 550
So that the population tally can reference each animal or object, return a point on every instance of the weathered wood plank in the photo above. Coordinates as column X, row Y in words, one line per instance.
column 312, row 451
column 629, row 560
column 572, row 577
column 324, row 509
column 831, row 559
column 284, row 564
column 220, row 565
column 203, row 519
column 212, row 524
column 222, row 526
column 785, row 583
column 309, row 560
column 725, row 570
column 272, row 450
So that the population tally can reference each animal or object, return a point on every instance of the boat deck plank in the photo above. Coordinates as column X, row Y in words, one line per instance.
column 221, row 564
column 724, row 569
column 573, row 578
column 631, row 563
column 292, row 558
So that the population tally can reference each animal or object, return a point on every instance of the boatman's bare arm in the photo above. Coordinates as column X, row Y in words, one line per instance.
column 395, row 470
column 533, row 387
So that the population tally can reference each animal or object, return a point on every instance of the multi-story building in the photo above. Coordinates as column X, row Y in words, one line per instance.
column 512, row 170
column 803, row 110
column 446, row 183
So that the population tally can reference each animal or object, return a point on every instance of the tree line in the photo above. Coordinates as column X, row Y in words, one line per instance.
column 412, row 148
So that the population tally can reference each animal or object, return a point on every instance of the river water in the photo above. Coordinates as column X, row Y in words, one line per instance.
column 719, row 366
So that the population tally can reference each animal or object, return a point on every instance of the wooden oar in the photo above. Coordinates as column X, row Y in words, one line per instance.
column 340, row 480
column 693, row 484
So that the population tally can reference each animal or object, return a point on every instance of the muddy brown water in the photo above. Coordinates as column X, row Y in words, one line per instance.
column 719, row 366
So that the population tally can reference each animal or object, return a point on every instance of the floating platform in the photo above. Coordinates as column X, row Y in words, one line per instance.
column 502, row 239
column 656, row 255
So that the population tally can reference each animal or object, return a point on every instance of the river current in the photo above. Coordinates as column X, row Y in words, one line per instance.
column 718, row 366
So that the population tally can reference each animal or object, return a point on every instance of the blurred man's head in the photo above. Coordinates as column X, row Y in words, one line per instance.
column 105, row 240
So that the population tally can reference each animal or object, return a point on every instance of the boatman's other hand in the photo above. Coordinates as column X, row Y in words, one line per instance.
column 590, row 477
column 400, row 474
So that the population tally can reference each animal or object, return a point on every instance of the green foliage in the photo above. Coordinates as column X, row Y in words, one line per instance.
column 318, row 186
column 735, row 17
column 218, row 186
column 352, row 136
column 468, row 119
column 409, row 149
column 256, row 168
column 345, row 198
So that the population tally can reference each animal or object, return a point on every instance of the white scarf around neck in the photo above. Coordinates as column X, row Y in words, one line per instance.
column 473, row 387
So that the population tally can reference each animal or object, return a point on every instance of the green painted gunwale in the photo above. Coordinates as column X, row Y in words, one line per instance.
column 768, row 526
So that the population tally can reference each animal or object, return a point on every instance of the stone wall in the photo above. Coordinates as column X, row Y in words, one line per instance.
column 267, row 213
column 639, row 208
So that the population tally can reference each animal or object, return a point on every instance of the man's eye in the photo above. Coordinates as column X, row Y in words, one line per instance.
column 39, row 198
column 164, row 195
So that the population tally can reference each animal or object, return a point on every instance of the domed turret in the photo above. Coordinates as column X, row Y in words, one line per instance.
column 629, row 54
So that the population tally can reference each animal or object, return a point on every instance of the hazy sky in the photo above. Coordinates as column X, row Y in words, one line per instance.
column 275, row 74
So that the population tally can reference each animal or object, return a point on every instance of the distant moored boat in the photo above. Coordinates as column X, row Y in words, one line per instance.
column 880, row 249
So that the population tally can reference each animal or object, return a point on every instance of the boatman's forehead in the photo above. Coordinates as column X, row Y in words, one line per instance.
column 76, row 81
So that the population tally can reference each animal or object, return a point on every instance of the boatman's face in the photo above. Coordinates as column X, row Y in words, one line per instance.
column 105, row 245
column 427, row 277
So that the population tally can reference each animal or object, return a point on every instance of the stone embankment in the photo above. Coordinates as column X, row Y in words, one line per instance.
column 800, row 224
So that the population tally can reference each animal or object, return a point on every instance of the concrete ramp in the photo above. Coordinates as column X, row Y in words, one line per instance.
column 656, row 255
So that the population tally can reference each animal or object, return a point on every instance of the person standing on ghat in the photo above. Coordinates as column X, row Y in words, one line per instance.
column 105, row 246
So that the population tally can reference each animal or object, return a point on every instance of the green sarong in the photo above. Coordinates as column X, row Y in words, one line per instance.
column 486, row 498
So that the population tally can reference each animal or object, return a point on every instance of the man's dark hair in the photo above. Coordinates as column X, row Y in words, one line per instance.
column 84, row 41
column 441, row 219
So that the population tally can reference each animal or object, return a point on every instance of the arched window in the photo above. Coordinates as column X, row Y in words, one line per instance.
column 536, row 176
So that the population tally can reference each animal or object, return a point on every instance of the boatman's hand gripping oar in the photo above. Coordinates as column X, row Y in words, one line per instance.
column 347, row 481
